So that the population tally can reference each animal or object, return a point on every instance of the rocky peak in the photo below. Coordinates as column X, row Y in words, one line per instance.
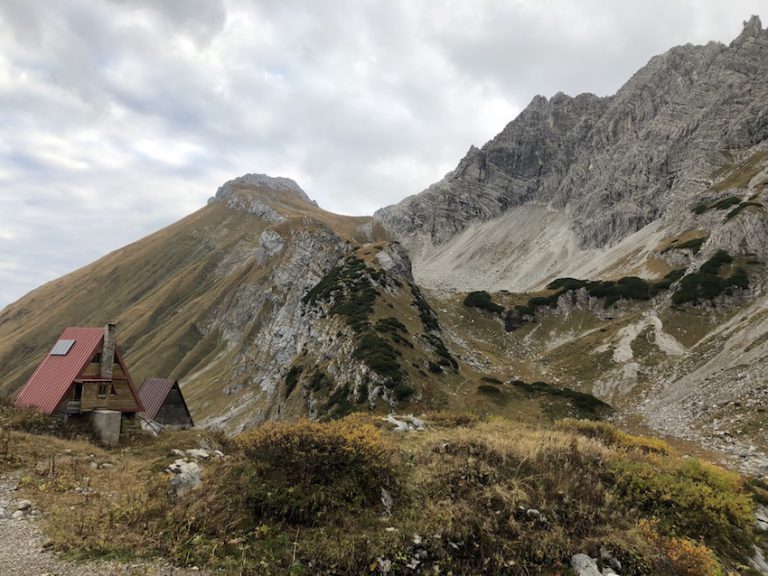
column 611, row 164
column 753, row 29
column 251, row 193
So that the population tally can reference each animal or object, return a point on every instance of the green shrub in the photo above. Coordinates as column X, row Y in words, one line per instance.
column 350, row 287
column 305, row 471
column 669, row 279
column 566, row 284
column 379, row 355
column 390, row 324
column 427, row 316
column 706, row 284
column 489, row 389
column 694, row 245
column 586, row 405
column 741, row 207
column 688, row 497
column 292, row 378
column 483, row 301
column 444, row 357
column 726, row 203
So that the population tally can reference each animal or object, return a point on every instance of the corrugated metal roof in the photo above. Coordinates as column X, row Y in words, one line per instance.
column 48, row 385
column 153, row 393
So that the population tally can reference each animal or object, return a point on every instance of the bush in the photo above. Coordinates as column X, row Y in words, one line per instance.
column 305, row 471
column 291, row 379
column 566, row 284
column 379, row 355
column 741, row 207
column 585, row 405
column 694, row 245
column 690, row 498
column 444, row 357
column 610, row 435
column 706, row 284
column 483, row 301
column 685, row 556
column 427, row 316
column 350, row 287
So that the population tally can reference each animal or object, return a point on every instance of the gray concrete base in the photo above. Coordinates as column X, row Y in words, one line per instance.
column 106, row 424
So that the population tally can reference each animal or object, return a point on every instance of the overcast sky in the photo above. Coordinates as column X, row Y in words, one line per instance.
column 120, row 117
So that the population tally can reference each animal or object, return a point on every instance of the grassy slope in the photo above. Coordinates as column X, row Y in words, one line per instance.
column 305, row 498
column 160, row 290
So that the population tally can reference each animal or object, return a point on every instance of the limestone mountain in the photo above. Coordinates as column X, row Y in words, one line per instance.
column 626, row 238
column 574, row 184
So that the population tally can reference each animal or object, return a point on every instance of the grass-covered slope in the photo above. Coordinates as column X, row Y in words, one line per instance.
column 186, row 298
column 464, row 496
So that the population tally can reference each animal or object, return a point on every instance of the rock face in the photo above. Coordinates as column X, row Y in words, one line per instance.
column 609, row 166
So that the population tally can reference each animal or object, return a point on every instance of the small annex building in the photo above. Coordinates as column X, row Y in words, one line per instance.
column 83, row 372
column 164, row 403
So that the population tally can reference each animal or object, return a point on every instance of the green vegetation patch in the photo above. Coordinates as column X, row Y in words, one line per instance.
column 380, row 356
column 707, row 283
column 350, row 288
column 292, row 378
column 627, row 288
column 465, row 496
column 444, row 357
column 427, row 315
column 482, row 300
column 694, row 245
column 722, row 204
column 744, row 205
column 586, row 405
column 687, row 497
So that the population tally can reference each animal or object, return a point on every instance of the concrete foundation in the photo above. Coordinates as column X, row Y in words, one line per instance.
column 106, row 424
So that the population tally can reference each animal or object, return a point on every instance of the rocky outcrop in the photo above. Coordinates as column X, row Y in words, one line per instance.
column 610, row 165
column 238, row 194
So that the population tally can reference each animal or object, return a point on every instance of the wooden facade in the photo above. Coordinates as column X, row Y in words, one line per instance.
column 76, row 380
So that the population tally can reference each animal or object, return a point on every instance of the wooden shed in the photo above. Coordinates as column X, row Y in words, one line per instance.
column 164, row 403
column 83, row 372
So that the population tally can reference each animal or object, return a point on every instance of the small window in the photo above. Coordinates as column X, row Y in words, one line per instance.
column 103, row 389
column 112, row 391
column 62, row 347
column 97, row 358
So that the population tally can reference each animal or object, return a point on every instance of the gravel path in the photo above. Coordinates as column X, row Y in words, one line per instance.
column 22, row 551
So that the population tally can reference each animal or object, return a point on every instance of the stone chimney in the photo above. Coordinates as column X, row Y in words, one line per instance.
column 108, row 352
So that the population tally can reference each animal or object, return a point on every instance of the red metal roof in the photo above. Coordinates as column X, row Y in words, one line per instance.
column 153, row 393
column 49, row 384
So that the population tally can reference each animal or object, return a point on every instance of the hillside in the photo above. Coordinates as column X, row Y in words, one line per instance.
column 192, row 299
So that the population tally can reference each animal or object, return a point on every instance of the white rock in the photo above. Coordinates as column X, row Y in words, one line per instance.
column 584, row 565
column 198, row 453
column 24, row 505
column 18, row 515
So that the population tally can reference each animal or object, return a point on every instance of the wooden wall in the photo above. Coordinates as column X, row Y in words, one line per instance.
column 123, row 399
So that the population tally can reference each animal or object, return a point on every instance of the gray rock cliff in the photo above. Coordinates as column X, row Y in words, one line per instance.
column 611, row 164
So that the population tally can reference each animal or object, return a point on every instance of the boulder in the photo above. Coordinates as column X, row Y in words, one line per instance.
column 583, row 565
column 187, row 477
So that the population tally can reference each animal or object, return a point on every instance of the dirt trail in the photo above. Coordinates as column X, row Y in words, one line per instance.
column 23, row 553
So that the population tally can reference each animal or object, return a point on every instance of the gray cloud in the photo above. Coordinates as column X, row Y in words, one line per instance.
column 121, row 116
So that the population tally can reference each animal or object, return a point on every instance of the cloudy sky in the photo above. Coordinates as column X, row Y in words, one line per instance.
column 118, row 117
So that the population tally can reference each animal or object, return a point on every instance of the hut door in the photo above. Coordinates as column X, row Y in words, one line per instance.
column 78, row 391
